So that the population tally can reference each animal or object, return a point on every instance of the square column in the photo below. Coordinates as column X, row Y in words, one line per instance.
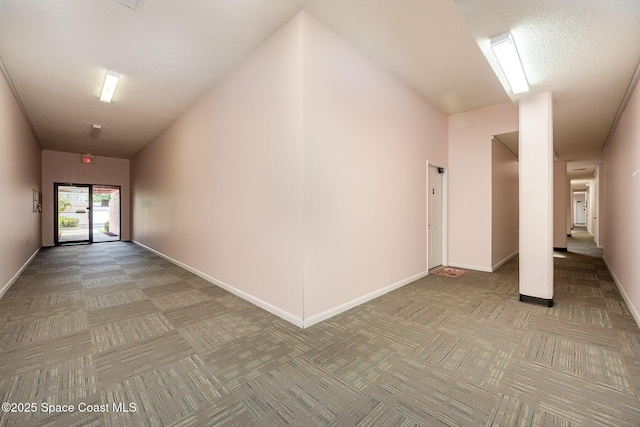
column 536, row 199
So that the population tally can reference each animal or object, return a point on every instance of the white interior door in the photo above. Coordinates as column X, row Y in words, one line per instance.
column 434, row 230
column 596, row 208
column 581, row 214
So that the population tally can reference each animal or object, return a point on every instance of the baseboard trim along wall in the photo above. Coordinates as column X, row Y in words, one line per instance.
column 361, row 300
column 501, row 263
column 245, row 296
column 6, row 287
column 301, row 323
column 471, row 267
column 627, row 300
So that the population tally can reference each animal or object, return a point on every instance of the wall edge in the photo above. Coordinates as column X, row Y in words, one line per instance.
column 634, row 311
column 6, row 287
column 245, row 296
column 361, row 300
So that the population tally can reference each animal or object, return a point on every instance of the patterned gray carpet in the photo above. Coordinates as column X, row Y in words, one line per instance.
column 109, row 325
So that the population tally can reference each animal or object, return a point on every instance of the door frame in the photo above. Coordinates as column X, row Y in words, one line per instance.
column 90, row 186
column 119, row 187
column 56, row 186
column 445, row 221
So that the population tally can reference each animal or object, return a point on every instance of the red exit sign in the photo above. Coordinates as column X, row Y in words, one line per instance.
column 87, row 158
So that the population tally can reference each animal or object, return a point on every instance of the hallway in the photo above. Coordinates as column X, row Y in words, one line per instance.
column 113, row 323
column 581, row 242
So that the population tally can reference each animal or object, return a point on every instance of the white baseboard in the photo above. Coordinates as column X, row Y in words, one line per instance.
column 501, row 263
column 297, row 321
column 248, row 297
column 471, row 267
column 627, row 300
column 6, row 287
column 361, row 300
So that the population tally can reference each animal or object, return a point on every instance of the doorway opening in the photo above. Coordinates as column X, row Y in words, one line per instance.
column 86, row 213
column 579, row 209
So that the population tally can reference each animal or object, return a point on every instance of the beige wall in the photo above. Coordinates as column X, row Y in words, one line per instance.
column 68, row 167
column 299, row 182
column 622, row 208
column 20, row 170
column 470, row 217
column 221, row 190
column 367, row 141
column 504, row 205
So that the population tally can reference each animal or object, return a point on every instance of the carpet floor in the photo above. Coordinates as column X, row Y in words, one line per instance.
column 130, row 339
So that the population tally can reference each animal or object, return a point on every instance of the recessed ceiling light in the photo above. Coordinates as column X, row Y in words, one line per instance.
column 110, row 83
column 507, row 55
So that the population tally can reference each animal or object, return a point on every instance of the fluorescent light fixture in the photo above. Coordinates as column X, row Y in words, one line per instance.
column 129, row 3
column 110, row 83
column 505, row 51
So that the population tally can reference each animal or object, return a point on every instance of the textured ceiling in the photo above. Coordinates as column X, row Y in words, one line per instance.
column 582, row 168
column 169, row 53
column 584, row 52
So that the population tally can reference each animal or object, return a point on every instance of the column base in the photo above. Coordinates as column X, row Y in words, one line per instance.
column 535, row 300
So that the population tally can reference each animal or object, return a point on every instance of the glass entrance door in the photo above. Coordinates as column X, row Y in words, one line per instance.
column 74, row 221
column 106, row 213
